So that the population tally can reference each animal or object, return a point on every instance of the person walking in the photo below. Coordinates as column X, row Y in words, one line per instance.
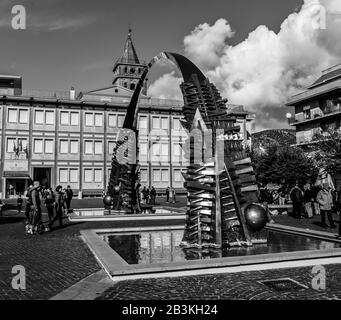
column 325, row 200
column 174, row 195
column 68, row 197
column 148, row 196
column 144, row 195
column 59, row 205
column 36, row 208
column 153, row 196
column 167, row 194
column 307, row 200
column 296, row 196
column 49, row 204
column 338, row 200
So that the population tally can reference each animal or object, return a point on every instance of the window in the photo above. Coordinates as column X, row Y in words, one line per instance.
column 164, row 123
column 176, row 152
column 155, row 151
column 120, row 120
column 156, row 175
column 74, row 118
column 176, row 123
column 164, row 151
column 39, row 117
column 73, row 175
column 143, row 122
column 38, row 146
column 111, row 146
column 112, row 120
column 64, row 148
column 98, row 147
column 87, row 175
column 156, row 123
column 73, row 146
column 177, row 176
column 63, row 175
column 144, row 175
column 12, row 115
column 64, row 118
column 23, row 116
column 22, row 143
column 89, row 119
column 132, row 86
column 49, row 117
column 98, row 175
column 11, row 143
column 165, row 175
column 48, row 146
column 98, row 120
column 143, row 151
column 88, row 147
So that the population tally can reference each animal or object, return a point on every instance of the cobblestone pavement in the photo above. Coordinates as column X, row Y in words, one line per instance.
column 53, row 261
column 229, row 286
column 58, row 259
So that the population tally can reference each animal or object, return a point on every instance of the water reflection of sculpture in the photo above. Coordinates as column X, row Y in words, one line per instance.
column 219, row 196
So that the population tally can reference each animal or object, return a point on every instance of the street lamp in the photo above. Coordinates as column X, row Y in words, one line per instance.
column 288, row 116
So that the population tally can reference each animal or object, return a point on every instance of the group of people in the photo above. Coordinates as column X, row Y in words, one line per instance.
column 307, row 201
column 316, row 200
column 148, row 195
column 56, row 203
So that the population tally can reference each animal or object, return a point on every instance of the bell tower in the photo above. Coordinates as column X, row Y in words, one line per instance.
column 128, row 68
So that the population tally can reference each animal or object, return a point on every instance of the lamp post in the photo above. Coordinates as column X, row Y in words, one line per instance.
column 289, row 116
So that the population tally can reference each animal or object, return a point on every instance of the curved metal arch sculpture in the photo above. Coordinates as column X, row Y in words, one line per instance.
column 216, row 194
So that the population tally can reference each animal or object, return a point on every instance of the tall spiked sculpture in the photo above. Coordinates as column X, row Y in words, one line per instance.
column 220, row 180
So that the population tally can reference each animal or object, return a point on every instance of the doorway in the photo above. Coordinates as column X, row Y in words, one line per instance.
column 43, row 175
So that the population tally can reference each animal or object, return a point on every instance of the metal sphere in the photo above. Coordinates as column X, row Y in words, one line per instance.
column 107, row 200
column 255, row 216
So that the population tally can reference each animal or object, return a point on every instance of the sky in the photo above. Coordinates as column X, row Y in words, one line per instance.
column 257, row 52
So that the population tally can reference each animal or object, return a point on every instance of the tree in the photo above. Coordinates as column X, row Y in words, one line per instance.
column 278, row 163
column 327, row 151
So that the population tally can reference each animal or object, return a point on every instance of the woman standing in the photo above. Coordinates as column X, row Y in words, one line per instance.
column 59, row 205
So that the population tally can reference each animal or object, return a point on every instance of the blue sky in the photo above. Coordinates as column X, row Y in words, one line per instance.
column 75, row 42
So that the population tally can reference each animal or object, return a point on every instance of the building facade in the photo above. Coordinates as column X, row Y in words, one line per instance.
column 67, row 138
column 318, row 109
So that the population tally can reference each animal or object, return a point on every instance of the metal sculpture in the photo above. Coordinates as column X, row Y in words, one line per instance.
column 220, row 182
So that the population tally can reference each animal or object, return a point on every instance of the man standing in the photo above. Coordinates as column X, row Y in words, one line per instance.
column 153, row 195
column 49, row 204
column 325, row 200
column 19, row 203
column 68, row 197
column 36, row 207
column 59, row 205
column 296, row 197
column 167, row 194
column 174, row 195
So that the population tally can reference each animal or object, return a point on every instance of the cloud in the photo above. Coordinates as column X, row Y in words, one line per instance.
column 265, row 69
column 166, row 87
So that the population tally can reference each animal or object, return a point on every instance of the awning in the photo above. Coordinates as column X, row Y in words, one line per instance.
column 16, row 174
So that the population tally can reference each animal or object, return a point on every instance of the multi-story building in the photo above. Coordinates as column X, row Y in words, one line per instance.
column 67, row 138
column 318, row 109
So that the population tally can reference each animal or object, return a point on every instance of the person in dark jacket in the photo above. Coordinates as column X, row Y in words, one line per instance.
column 35, row 207
column 68, row 197
column 49, row 204
column 296, row 196
column 152, row 196
column 19, row 203
column 59, row 205
column 167, row 194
